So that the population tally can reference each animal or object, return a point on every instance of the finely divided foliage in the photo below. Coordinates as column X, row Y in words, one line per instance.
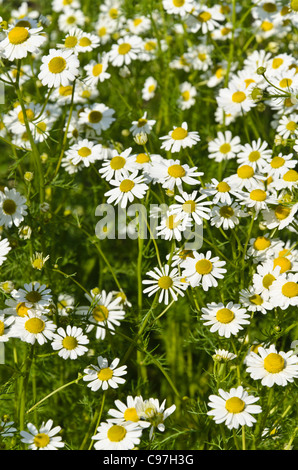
column 180, row 118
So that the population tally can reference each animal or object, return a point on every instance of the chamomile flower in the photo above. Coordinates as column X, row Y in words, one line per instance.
column 226, row 215
column 127, row 189
column 104, row 313
column 125, row 51
column 104, row 375
column 33, row 327
column 84, row 151
column 255, row 154
column 284, row 291
column 245, row 178
column 70, row 18
column 21, row 40
column 96, row 71
column 153, row 411
column 192, row 206
column 263, row 278
column 227, row 319
column 70, row 342
column 38, row 260
column 4, row 250
column 288, row 181
column 272, row 367
column 5, row 327
column 221, row 355
column 280, row 216
column 178, row 7
column 234, row 408
column 88, row 42
column 254, row 302
column 59, row 67
column 166, row 281
column 220, row 191
column 71, row 40
column 180, row 138
column 118, row 166
column 171, row 173
column 43, row 438
column 117, row 437
column 288, row 126
column 236, row 98
column 187, row 97
column 127, row 412
column 60, row 5
column 142, row 125
column 149, row 88
column 203, row 269
column 97, row 117
column 34, row 295
column 205, row 19
column 12, row 208
column 285, row 256
column 258, row 199
column 261, row 248
column 172, row 226
column 224, row 146
column 65, row 304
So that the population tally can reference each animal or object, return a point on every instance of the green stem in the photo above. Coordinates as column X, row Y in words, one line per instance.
column 98, row 418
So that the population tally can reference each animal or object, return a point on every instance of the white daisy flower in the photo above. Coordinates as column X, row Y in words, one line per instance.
column 142, row 125
column 65, row 304
column 59, row 67
column 234, row 408
column 149, row 88
column 97, row 117
column 71, row 40
column 172, row 226
column 179, row 138
column 15, row 121
column 127, row 188
column 245, row 177
column 226, row 320
column 254, row 302
column 204, row 19
column 4, row 249
column 60, row 5
column 171, row 173
column 255, row 154
column 192, row 207
column 220, row 191
column 284, row 291
column 257, row 198
column 278, row 165
column 153, row 411
column 263, row 278
column 125, row 51
column 272, row 367
column 285, row 256
column 34, row 295
column 117, row 437
column 224, row 146
column 12, row 207
column 236, row 98
column 20, row 40
column 97, row 71
column 104, row 375
column 127, row 412
column 84, row 151
column 33, row 327
column 187, row 97
column 139, row 24
column 203, row 270
column 178, row 256
column 288, row 181
column 104, row 313
column 226, row 215
column 44, row 438
column 178, row 7
column 280, row 216
column 166, row 281
column 70, row 342
column 261, row 248
column 288, row 126
column 221, row 355
column 5, row 327
column 88, row 42
column 71, row 17
column 118, row 165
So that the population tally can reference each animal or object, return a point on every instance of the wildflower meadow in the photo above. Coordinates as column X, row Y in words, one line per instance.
column 148, row 225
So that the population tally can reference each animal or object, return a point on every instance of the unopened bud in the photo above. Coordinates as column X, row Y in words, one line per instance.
column 261, row 70
column 141, row 138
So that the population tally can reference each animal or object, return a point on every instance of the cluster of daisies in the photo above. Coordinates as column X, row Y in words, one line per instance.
column 261, row 188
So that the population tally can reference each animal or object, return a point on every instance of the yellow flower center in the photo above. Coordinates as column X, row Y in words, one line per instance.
column 277, row 162
column 274, row 363
column 165, row 282
column 21, row 309
column 94, row 117
column 142, row 158
column 33, row 296
column 290, row 289
column 291, row 126
column 256, row 299
column 204, row 266
column 9, row 207
column 97, row 69
column 204, row 16
column 117, row 163
column 69, row 342
column 171, row 223
column 235, row 405
column 1, row 328
column 269, row 7
column 116, row 433
column 29, row 114
column 105, row 374
column 178, row 3
column 65, row 90
column 84, row 152
column 291, row 176
column 179, row 133
column 282, row 212
column 100, row 313
column 57, row 65
column 285, row 82
column 185, row 95
column 142, row 122
column 261, row 243
column 283, row 262
column 189, row 206
column 258, row 195
column 248, row 81
column 238, row 96
column 35, row 325
column 41, row 440
column 102, row 31
column 130, row 414
column 225, row 315
column 124, row 48
column 70, row 41
column 226, row 212
column 267, row 280
column 254, row 156
column 223, row 187
column 225, row 148
column 18, row 35
column 150, row 46
column 113, row 13
column 176, row 171
column 126, row 185
column 266, row 26
column 245, row 171
column 85, row 42
column 294, row 5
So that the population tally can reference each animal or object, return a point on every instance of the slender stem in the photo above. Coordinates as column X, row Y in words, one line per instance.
column 98, row 418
